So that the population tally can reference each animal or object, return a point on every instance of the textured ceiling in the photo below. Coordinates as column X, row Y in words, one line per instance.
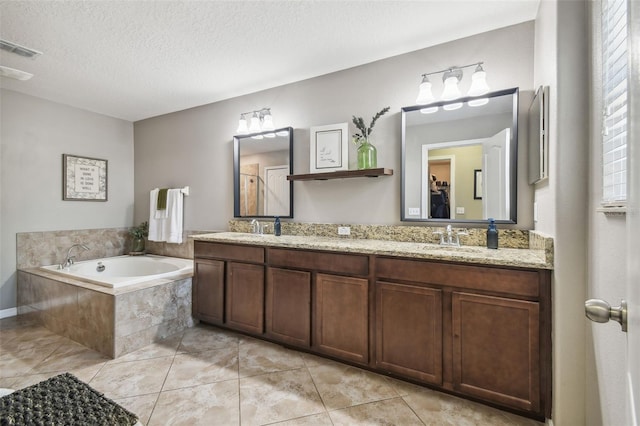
column 139, row 59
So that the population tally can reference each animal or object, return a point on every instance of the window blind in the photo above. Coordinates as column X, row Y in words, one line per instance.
column 614, row 96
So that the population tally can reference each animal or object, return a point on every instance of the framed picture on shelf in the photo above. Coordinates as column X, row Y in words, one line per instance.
column 477, row 184
column 83, row 178
column 329, row 148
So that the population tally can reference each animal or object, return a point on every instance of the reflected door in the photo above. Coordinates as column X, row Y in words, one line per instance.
column 495, row 175
column 276, row 200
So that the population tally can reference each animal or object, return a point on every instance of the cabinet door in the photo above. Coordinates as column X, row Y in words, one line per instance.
column 496, row 349
column 409, row 331
column 341, row 317
column 288, row 307
column 245, row 297
column 208, row 291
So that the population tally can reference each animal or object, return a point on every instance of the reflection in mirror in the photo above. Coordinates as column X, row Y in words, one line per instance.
column 261, row 164
column 461, row 165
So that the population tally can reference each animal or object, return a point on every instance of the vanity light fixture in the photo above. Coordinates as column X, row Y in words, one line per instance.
column 261, row 120
column 451, row 77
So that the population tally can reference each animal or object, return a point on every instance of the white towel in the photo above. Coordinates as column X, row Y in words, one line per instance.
column 155, row 223
column 168, row 226
column 173, row 222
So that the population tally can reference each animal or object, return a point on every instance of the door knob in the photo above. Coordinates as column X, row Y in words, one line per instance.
column 598, row 310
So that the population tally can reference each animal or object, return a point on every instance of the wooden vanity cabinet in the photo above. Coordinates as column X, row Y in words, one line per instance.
column 494, row 324
column 341, row 320
column 245, row 297
column 288, row 306
column 208, row 290
column 409, row 331
column 496, row 349
column 478, row 331
column 339, row 308
column 230, row 282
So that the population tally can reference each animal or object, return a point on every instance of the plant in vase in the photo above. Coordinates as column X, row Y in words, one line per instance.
column 138, row 233
column 367, row 153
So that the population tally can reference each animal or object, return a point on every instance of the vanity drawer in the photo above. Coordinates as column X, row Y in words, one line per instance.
column 319, row 261
column 514, row 282
column 241, row 253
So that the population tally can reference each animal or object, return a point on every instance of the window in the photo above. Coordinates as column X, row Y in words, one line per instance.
column 614, row 96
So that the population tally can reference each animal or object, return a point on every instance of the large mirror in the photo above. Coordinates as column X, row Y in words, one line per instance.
column 459, row 162
column 261, row 164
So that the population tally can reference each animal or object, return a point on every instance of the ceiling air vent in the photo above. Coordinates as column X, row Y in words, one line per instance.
column 18, row 50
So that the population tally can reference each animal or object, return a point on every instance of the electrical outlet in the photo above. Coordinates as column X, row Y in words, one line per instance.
column 414, row 211
column 535, row 211
column 344, row 230
column 459, row 210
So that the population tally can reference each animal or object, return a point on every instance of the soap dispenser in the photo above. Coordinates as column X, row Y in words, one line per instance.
column 492, row 235
column 276, row 227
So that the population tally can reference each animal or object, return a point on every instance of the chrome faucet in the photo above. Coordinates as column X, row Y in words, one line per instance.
column 255, row 227
column 70, row 260
column 449, row 237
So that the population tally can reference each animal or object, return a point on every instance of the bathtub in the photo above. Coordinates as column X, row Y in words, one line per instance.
column 121, row 271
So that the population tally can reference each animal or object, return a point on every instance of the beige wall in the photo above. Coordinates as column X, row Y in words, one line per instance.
column 35, row 134
column 194, row 147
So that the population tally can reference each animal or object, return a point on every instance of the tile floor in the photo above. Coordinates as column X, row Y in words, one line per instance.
column 208, row 376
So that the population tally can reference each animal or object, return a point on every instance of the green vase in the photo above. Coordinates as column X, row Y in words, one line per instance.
column 138, row 245
column 367, row 156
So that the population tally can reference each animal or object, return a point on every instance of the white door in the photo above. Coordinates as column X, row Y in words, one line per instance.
column 495, row 176
column 276, row 191
column 633, row 220
column 632, row 237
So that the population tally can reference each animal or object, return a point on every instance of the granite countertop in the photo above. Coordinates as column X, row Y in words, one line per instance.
column 522, row 258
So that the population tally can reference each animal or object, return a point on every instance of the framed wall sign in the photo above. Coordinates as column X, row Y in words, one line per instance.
column 83, row 178
column 329, row 150
column 477, row 184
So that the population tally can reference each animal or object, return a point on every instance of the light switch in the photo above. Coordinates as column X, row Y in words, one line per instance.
column 414, row 211
column 459, row 210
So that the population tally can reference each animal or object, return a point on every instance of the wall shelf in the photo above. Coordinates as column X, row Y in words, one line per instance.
column 343, row 174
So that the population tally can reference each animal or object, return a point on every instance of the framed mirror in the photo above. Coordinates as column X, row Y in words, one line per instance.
column 261, row 164
column 460, row 159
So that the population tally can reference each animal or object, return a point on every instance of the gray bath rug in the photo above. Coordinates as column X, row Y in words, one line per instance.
column 62, row 400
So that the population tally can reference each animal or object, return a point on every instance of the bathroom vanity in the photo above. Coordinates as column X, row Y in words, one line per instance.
column 470, row 321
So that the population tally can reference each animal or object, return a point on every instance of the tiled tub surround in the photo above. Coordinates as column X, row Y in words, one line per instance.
column 50, row 247
column 113, row 322
column 477, row 237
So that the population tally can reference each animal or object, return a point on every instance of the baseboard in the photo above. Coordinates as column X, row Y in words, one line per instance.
column 6, row 313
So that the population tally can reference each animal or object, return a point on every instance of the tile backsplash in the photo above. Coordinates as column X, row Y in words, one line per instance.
column 509, row 238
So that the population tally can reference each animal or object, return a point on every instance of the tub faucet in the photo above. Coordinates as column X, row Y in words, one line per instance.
column 71, row 259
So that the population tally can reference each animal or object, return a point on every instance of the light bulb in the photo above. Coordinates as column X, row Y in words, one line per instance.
column 267, row 121
column 255, row 123
column 479, row 84
column 425, row 96
column 242, row 125
column 451, row 90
